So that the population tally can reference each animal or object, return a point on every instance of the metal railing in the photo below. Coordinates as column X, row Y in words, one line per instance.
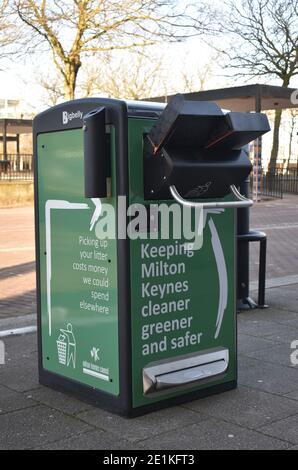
column 272, row 186
column 16, row 167
column 289, row 181
column 275, row 185
column 269, row 185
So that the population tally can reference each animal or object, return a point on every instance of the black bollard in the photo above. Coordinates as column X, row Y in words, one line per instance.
column 244, row 302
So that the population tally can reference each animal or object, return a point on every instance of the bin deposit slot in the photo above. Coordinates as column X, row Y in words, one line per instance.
column 185, row 370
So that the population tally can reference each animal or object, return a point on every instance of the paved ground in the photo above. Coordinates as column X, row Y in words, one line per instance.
column 261, row 414
column 279, row 219
column 17, row 266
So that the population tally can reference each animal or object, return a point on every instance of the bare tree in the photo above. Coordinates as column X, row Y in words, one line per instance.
column 52, row 89
column 74, row 29
column 8, row 31
column 197, row 79
column 134, row 76
column 264, row 43
column 293, row 120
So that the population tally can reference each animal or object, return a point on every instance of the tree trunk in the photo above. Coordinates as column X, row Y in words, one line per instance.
column 276, row 127
column 275, row 142
column 290, row 146
column 70, row 79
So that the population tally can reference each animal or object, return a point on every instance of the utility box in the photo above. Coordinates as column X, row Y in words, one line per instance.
column 133, row 312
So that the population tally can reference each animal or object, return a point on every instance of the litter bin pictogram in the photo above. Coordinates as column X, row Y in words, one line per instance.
column 66, row 347
column 62, row 349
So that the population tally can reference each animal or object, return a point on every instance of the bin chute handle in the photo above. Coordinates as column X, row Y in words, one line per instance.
column 239, row 203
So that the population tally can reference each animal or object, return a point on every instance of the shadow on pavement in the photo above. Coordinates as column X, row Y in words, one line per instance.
column 19, row 304
column 17, row 269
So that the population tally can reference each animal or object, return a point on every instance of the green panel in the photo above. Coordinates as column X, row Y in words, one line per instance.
column 192, row 327
column 78, row 271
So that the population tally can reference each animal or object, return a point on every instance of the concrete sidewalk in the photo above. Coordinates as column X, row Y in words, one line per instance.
column 279, row 220
column 261, row 414
column 17, row 262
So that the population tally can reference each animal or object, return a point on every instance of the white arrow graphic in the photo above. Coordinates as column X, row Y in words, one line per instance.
column 60, row 204
column 222, row 276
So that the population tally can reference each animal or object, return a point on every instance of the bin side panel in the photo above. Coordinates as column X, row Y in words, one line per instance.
column 177, row 314
column 78, row 270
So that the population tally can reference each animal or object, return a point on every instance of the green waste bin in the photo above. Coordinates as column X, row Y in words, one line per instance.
column 132, row 315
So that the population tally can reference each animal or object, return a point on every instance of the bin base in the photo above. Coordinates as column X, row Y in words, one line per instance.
column 198, row 394
column 120, row 406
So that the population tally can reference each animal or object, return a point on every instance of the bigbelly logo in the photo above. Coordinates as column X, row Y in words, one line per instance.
column 68, row 117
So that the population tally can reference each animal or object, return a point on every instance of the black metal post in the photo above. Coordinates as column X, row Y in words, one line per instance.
column 244, row 302
column 18, row 143
column 4, row 139
column 262, row 273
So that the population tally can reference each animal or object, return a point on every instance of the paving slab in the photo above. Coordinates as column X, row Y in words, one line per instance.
column 92, row 440
column 278, row 219
column 284, row 317
column 277, row 315
column 19, row 349
column 293, row 395
column 286, row 335
column 214, row 434
column 11, row 401
column 58, row 401
column 272, row 378
column 275, row 282
column 144, row 426
column 248, row 343
column 288, row 428
column 285, row 298
column 18, row 321
column 20, row 379
column 36, row 426
column 246, row 407
column 278, row 354
column 20, row 372
column 267, row 329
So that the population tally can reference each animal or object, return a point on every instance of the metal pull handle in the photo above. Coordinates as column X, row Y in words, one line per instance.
column 185, row 370
column 193, row 374
column 240, row 202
